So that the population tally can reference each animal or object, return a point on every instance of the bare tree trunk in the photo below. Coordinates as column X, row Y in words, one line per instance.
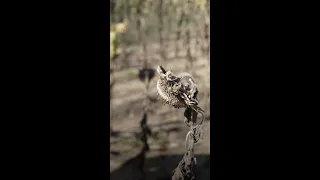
column 189, row 54
column 160, row 30
column 206, row 29
column 178, row 33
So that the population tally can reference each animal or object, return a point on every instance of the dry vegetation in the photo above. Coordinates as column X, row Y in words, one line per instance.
column 175, row 34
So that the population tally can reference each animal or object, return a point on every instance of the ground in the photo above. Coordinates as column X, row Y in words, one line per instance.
column 166, row 122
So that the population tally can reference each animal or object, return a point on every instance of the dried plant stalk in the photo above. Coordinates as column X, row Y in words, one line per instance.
column 173, row 88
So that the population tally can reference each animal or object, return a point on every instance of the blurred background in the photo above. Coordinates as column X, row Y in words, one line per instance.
column 143, row 35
